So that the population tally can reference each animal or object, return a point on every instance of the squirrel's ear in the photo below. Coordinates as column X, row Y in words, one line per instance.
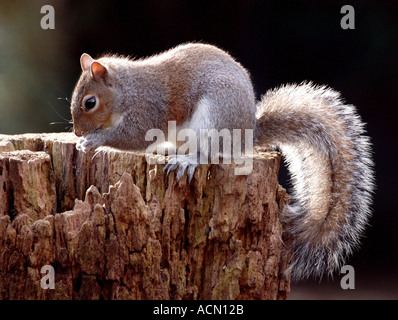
column 98, row 70
column 86, row 61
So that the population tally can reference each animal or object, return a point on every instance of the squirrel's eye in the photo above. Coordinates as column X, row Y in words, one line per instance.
column 90, row 103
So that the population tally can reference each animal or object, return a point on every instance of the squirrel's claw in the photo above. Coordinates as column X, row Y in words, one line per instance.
column 82, row 145
column 180, row 163
column 89, row 142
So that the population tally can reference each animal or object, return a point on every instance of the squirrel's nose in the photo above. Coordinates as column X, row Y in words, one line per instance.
column 77, row 132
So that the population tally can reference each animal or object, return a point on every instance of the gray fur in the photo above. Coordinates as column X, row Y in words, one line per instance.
column 323, row 141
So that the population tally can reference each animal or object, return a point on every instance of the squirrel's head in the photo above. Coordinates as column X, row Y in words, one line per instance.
column 93, row 98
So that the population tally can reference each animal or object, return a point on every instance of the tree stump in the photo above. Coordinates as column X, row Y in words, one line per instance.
column 111, row 226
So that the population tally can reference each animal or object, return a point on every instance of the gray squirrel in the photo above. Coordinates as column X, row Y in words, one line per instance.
column 199, row 86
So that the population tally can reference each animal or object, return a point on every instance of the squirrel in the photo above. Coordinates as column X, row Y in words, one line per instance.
column 199, row 86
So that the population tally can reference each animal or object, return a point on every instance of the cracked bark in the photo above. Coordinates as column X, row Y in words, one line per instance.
column 114, row 227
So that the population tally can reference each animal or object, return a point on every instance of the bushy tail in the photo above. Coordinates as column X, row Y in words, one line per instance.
column 330, row 163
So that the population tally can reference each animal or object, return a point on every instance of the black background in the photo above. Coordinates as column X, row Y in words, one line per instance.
column 278, row 42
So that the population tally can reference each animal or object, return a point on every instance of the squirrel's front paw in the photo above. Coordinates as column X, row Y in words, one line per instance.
column 180, row 163
column 87, row 143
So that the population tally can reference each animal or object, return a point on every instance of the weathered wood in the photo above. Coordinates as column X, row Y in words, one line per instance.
column 115, row 227
column 28, row 184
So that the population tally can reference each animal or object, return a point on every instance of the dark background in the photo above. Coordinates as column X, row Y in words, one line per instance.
column 277, row 41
